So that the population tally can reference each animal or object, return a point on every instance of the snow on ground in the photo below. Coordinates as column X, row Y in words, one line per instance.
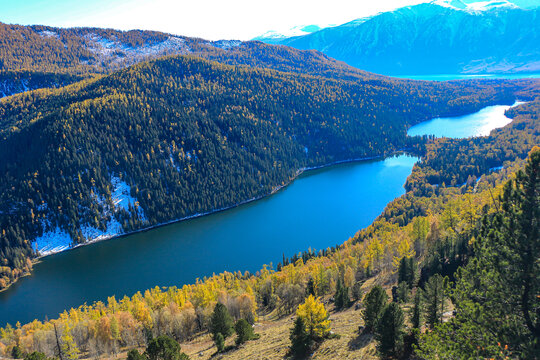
column 47, row 33
column 92, row 234
column 226, row 44
column 118, row 52
column 121, row 194
column 52, row 242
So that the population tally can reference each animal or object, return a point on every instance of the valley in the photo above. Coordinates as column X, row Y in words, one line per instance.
column 298, row 195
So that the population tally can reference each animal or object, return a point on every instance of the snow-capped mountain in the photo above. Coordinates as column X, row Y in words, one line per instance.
column 440, row 37
column 275, row 36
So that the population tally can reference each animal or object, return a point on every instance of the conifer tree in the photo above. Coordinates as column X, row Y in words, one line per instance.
column 221, row 321
column 300, row 339
column 389, row 331
column 374, row 303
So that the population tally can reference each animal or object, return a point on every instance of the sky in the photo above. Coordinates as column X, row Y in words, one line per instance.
column 208, row 19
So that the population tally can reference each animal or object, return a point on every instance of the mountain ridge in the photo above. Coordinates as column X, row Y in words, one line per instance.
column 433, row 39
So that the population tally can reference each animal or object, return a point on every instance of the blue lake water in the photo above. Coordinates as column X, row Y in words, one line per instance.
column 478, row 124
column 320, row 209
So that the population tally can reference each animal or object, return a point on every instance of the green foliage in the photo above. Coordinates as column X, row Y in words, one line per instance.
column 389, row 331
column 496, row 294
column 17, row 353
column 134, row 354
column 244, row 331
column 435, row 299
column 341, row 297
column 416, row 311
column 221, row 321
column 301, row 342
column 164, row 348
column 36, row 355
column 407, row 271
column 356, row 291
column 219, row 340
column 374, row 303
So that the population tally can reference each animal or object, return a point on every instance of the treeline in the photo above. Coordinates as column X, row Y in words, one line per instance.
column 190, row 136
column 463, row 226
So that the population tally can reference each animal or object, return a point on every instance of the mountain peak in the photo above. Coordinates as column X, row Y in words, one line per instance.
column 475, row 6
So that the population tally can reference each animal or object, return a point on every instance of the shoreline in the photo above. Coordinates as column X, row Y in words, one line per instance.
column 275, row 190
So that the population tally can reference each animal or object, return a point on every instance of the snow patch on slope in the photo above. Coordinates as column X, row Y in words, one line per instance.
column 116, row 52
column 57, row 240
column 52, row 242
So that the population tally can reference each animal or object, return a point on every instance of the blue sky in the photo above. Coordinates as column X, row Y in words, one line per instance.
column 210, row 19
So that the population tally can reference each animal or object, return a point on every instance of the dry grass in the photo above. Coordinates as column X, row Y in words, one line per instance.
column 274, row 341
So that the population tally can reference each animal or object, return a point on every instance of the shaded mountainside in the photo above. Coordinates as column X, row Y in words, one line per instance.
column 434, row 39
column 181, row 136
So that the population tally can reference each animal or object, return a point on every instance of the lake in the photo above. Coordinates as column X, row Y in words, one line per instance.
column 477, row 124
column 320, row 209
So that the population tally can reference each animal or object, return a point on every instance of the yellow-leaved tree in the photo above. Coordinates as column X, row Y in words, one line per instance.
column 315, row 317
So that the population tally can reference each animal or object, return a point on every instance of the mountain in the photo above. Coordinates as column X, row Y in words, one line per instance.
column 442, row 37
column 273, row 36
column 182, row 135
column 33, row 57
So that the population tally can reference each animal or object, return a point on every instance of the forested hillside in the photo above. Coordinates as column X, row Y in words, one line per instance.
column 182, row 136
column 34, row 57
column 469, row 248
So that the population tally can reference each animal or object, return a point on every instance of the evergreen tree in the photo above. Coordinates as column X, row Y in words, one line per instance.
column 244, row 331
column 389, row 331
column 221, row 321
column 435, row 299
column 36, row 355
column 219, row 340
column 17, row 353
column 134, row 354
column 341, row 297
column 374, row 303
column 164, row 348
column 300, row 340
column 416, row 312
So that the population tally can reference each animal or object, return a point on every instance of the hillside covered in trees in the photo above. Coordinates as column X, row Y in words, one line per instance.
column 181, row 136
column 33, row 57
column 449, row 273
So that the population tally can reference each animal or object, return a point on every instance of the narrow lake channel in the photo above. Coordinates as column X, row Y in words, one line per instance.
column 320, row 209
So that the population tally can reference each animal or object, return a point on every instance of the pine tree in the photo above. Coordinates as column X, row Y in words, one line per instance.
column 164, row 348
column 341, row 297
column 416, row 311
column 220, row 342
column 374, row 303
column 300, row 339
column 389, row 331
column 244, row 331
column 221, row 321
column 435, row 299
